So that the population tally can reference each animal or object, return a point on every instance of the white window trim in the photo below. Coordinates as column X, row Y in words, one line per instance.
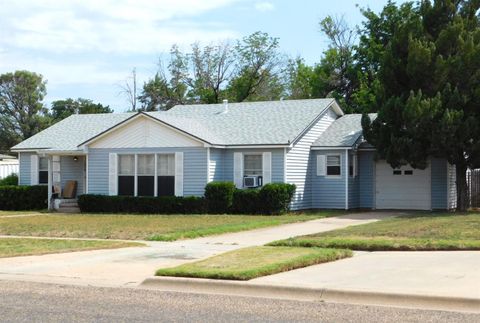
column 135, row 174
column 326, row 166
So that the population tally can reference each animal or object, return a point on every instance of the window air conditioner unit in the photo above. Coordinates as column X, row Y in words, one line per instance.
column 252, row 181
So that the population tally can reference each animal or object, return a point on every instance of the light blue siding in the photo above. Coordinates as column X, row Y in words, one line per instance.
column 25, row 168
column 299, row 161
column 366, row 179
column 194, row 170
column 439, row 183
column 217, row 164
column 71, row 170
column 327, row 192
column 277, row 162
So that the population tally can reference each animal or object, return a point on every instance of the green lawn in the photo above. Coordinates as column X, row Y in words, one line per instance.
column 414, row 232
column 249, row 263
column 12, row 247
column 142, row 227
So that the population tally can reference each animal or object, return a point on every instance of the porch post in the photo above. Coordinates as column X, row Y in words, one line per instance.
column 49, row 183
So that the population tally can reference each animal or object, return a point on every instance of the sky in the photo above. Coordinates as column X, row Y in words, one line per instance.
column 87, row 48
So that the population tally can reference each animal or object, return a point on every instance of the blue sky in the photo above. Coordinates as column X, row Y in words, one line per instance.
column 86, row 48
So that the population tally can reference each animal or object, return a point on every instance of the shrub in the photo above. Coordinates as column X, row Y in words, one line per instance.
column 23, row 198
column 275, row 198
column 11, row 180
column 144, row 204
column 219, row 196
column 246, row 201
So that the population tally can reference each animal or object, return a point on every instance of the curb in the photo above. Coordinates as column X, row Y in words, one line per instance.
column 240, row 288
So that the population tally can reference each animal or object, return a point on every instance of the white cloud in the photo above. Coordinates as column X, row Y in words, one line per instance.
column 264, row 6
column 127, row 26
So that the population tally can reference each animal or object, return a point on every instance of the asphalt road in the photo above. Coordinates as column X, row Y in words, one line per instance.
column 35, row 302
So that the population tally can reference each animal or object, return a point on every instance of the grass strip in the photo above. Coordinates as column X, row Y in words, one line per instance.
column 417, row 232
column 13, row 247
column 380, row 244
column 253, row 262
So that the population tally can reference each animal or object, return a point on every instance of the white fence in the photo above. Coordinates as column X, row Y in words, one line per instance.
column 7, row 168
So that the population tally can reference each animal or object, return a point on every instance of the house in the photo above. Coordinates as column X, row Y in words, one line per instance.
column 310, row 143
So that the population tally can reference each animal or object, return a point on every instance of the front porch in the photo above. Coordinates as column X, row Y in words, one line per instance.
column 67, row 178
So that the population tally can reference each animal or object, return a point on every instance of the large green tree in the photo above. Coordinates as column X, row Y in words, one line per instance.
column 62, row 109
column 259, row 66
column 22, row 113
column 428, row 94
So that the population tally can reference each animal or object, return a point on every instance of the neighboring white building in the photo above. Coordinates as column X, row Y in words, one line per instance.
column 8, row 165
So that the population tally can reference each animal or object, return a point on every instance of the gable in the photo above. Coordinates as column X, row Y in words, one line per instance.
column 143, row 132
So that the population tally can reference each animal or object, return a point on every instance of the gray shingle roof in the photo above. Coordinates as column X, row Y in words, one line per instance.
column 343, row 132
column 249, row 123
column 72, row 131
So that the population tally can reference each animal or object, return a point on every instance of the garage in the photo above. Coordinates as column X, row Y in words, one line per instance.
column 402, row 188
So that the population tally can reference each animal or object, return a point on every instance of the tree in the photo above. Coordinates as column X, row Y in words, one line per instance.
column 211, row 70
column 62, row 109
column 300, row 79
column 429, row 90
column 22, row 113
column 129, row 90
column 374, row 36
column 163, row 92
column 336, row 75
column 258, row 68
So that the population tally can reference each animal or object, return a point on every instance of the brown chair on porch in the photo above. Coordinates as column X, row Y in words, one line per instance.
column 70, row 190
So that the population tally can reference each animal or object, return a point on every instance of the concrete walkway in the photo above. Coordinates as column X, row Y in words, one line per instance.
column 130, row 266
column 436, row 273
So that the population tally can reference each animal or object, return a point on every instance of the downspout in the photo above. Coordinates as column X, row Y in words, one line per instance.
column 346, row 179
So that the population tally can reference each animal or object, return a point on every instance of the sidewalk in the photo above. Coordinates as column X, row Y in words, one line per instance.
column 435, row 273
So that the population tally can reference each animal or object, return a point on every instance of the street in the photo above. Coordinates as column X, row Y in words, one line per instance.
column 36, row 302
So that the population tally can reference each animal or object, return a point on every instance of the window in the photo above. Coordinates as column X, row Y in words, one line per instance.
column 333, row 165
column 252, row 165
column 145, row 175
column 397, row 172
column 408, row 172
column 166, row 175
column 43, row 170
column 126, row 175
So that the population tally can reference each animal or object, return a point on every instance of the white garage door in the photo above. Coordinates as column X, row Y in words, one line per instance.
column 402, row 188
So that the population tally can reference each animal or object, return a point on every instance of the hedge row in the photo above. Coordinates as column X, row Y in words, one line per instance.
column 272, row 198
column 220, row 197
column 23, row 198
column 149, row 205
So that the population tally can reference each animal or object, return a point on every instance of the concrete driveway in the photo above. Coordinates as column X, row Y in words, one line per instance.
column 130, row 266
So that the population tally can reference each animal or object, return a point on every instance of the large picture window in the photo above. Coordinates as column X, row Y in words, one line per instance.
column 252, row 165
column 145, row 175
column 166, row 175
column 334, row 165
column 43, row 170
column 139, row 179
column 126, row 175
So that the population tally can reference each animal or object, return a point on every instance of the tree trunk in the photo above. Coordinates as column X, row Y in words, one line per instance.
column 463, row 200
